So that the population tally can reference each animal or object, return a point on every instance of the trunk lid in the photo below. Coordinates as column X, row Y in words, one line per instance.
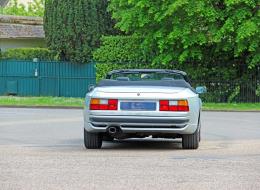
column 140, row 92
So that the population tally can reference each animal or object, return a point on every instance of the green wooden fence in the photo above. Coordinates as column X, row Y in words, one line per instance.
column 27, row 78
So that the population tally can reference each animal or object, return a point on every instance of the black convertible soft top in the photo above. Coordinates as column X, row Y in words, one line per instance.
column 145, row 71
column 169, row 83
column 128, row 71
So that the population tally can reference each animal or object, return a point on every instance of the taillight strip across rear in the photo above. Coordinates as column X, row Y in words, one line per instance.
column 164, row 105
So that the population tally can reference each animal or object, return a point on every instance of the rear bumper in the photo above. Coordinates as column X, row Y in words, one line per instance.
column 141, row 124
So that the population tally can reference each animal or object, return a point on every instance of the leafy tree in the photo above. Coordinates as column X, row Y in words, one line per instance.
column 34, row 8
column 73, row 28
column 193, row 30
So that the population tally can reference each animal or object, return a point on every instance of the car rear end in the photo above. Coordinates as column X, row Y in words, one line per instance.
column 140, row 103
column 124, row 112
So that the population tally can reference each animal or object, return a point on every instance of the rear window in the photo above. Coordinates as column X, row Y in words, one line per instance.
column 146, row 76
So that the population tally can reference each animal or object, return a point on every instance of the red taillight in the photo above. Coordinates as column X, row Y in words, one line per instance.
column 183, row 108
column 94, row 107
column 164, row 105
column 103, row 104
column 174, row 105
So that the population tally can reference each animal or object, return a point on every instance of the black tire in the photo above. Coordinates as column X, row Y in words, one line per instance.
column 199, row 130
column 191, row 141
column 92, row 140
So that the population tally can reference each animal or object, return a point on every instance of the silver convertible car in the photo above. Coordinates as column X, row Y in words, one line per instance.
column 138, row 103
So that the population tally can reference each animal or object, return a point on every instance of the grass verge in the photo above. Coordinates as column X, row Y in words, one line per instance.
column 232, row 106
column 78, row 102
column 41, row 101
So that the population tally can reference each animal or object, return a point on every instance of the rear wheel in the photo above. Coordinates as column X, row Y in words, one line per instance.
column 191, row 141
column 92, row 140
column 199, row 130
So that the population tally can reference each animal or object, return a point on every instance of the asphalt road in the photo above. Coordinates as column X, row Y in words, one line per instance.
column 43, row 149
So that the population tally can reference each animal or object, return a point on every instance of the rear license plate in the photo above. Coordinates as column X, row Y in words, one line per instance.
column 138, row 106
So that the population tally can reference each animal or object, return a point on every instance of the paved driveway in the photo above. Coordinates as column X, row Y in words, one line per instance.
column 43, row 149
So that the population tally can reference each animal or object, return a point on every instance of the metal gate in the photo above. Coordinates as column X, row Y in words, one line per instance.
column 27, row 78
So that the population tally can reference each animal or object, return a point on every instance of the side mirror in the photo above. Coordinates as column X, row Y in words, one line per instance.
column 201, row 89
column 91, row 87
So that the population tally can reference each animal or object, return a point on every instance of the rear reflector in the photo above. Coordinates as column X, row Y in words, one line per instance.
column 103, row 104
column 174, row 105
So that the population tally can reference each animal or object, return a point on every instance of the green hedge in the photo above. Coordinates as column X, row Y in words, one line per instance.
column 29, row 54
column 120, row 49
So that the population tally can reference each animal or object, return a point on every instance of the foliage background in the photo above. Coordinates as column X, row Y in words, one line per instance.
column 215, row 42
column 226, row 81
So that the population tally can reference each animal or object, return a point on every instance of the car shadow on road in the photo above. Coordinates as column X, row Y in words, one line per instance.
column 143, row 144
column 129, row 144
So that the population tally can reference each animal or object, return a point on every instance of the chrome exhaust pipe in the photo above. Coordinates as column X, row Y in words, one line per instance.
column 116, row 132
column 112, row 130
